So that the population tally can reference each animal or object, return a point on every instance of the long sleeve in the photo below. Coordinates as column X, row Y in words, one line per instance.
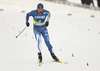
column 48, row 17
column 28, row 14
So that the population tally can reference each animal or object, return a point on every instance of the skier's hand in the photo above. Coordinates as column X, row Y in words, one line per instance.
column 47, row 23
column 27, row 24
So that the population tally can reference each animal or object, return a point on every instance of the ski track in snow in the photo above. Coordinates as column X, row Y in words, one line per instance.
column 75, row 38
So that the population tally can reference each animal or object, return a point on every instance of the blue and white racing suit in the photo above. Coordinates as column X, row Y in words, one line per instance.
column 40, row 28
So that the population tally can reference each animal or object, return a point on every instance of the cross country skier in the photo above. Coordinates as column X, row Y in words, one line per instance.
column 40, row 22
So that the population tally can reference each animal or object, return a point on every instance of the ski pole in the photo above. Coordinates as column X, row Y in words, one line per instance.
column 21, row 32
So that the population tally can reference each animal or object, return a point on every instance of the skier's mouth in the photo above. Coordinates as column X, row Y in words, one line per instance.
column 40, row 12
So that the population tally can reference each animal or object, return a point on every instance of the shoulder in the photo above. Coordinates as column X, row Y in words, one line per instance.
column 46, row 11
column 33, row 11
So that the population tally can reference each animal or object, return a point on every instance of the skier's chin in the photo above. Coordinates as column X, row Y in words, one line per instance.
column 40, row 12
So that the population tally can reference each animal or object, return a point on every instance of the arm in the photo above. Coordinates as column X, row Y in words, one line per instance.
column 28, row 14
column 47, row 19
column 27, row 18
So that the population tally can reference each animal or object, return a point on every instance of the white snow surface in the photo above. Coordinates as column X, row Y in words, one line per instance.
column 78, row 34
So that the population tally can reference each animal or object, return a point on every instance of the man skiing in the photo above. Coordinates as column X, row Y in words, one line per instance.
column 40, row 22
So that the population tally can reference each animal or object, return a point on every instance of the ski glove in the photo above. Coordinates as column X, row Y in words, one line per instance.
column 27, row 24
column 47, row 23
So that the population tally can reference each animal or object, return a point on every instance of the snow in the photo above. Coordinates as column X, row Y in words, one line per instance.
column 78, row 34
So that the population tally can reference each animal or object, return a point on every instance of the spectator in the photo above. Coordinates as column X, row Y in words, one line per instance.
column 98, row 3
column 83, row 1
column 88, row 2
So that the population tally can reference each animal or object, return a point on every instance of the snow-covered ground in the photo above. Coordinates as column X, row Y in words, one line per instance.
column 78, row 34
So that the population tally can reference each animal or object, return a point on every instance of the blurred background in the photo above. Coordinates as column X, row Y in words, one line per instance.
column 90, row 4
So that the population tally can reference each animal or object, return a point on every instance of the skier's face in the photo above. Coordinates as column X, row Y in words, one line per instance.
column 40, row 10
